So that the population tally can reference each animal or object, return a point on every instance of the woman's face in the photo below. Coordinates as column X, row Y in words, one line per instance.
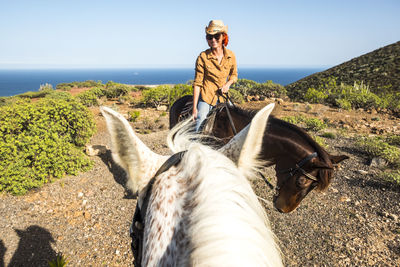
column 214, row 40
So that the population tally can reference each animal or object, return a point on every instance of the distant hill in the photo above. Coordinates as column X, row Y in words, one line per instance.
column 379, row 69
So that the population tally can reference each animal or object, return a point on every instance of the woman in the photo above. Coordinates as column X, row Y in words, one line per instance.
column 215, row 70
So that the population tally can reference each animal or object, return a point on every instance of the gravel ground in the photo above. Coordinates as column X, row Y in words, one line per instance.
column 87, row 217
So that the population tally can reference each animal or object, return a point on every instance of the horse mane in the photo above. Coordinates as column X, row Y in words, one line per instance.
column 228, row 226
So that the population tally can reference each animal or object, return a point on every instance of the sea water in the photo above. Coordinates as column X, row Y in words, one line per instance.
column 17, row 81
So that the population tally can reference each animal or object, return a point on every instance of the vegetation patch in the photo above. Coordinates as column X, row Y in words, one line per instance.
column 329, row 135
column 358, row 95
column 42, row 140
column 164, row 94
column 310, row 124
column 133, row 115
column 376, row 147
column 86, row 84
column 268, row 89
column 392, row 176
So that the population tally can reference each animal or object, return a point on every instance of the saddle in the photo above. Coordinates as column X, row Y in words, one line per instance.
column 138, row 222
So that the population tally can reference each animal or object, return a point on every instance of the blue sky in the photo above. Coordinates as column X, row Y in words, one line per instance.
column 105, row 33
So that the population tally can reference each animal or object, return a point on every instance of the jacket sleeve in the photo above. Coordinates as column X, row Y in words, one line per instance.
column 199, row 72
column 233, row 75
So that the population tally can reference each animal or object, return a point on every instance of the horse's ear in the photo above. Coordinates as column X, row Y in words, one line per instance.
column 337, row 159
column 130, row 152
column 244, row 147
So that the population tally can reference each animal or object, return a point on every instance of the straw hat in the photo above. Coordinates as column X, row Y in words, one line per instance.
column 216, row 26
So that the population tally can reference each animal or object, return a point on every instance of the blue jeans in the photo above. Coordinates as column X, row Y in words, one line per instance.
column 202, row 111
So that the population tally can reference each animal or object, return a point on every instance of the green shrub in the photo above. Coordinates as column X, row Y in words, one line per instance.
column 59, row 261
column 156, row 96
column 392, row 176
column 236, row 96
column 60, row 95
column 376, row 147
column 393, row 140
column 314, row 124
column 38, row 94
column 320, row 141
column 133, row 115
column 358, row 95
column 177, row 91
column 294, row 119
column 315, row 96
column 88, row 98
column 244, row 86
column 86, row 84
column 268, row 89
column 115, row 90
column 329, row 135
column 343, row 103
column 64, row 86
column 42, row 140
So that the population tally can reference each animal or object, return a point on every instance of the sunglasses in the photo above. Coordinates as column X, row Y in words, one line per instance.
column 211, row 36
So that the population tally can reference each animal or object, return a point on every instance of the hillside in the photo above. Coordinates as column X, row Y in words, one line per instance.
column 379, row 69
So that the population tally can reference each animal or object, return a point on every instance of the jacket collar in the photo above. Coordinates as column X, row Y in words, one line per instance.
column 210, row 55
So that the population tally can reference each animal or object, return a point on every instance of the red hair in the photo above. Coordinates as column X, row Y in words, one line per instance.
column 226, row 39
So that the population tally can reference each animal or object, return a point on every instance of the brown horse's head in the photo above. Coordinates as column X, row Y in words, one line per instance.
column 296, row 177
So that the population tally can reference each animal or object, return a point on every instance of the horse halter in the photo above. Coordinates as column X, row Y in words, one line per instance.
column 298, row 167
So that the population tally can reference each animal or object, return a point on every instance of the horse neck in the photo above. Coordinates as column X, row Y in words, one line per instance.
column 163, row 220
column 205, row 212
column 282, row 141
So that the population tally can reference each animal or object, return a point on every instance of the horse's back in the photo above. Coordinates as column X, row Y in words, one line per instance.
column 178, row 109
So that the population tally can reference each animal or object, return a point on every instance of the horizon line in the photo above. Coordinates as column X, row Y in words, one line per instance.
column 141, row 66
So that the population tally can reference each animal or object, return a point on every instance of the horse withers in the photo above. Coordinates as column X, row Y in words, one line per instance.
column 301, row 164
column 201, row 209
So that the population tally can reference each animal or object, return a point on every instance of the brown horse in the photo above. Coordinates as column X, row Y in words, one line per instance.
column 301, row 164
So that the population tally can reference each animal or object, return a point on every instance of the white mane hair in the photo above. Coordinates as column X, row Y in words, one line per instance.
column 203, row 211
column 227, row 224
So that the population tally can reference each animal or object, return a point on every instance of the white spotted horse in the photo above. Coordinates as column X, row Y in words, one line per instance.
column 197, row 206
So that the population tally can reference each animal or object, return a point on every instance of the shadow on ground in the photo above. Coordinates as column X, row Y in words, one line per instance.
column 119, row 174
column 34, row 248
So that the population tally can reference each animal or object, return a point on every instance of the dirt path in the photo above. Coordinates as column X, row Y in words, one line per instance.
column 87, row 217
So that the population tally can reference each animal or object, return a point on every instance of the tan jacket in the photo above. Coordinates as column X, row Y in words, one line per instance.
column 210, row 75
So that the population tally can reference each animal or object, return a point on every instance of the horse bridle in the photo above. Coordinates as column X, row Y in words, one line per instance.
column 298, row 168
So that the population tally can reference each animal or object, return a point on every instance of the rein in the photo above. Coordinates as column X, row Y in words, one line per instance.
column 298, row 167
column 137, row 227
column 227, row 99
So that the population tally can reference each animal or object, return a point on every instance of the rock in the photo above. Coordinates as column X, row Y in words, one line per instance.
column 162, row 108
column 378, row 163
column 394, row 217
column 362, row 172
column 96, row 150
column 345, row 199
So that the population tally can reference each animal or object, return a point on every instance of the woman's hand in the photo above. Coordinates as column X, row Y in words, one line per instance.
column 194, row 114
column 225, row 88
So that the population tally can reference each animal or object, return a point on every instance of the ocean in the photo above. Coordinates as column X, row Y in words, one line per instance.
column 18, row 81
